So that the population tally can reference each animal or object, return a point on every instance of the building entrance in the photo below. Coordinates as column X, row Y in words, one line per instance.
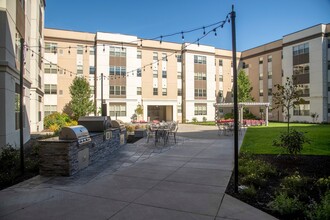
column 160, row 112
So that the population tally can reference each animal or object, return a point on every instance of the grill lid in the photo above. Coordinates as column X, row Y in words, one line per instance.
column 77, row 132
column 95, row 123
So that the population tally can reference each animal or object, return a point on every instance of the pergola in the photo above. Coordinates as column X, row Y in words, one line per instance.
column 240, row 107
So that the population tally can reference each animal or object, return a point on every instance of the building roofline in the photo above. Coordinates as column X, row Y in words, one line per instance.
column 262, row 45
column 59, row 29
column 304, row 29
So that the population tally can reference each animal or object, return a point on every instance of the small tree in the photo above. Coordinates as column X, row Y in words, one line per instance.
column 81, row 103
column 244, row 87
column 287, row 97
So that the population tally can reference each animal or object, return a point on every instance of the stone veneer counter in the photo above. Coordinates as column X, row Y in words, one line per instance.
column 67, row 157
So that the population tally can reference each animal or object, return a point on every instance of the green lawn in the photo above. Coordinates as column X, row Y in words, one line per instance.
column 259, row 139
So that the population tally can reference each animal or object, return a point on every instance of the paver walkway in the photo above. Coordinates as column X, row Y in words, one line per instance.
column 186, row 180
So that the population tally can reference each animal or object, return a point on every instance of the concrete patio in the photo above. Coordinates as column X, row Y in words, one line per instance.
column 186, row 180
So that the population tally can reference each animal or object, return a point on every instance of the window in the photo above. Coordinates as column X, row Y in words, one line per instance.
column 301, row 69
column 221, row 78
column 49, row 109
column 92, row 51
column 60, row 92
column 261, row 76
column 138, row 91
column 164, row 91
column 245, row 65
column 117, row 70
column 138, row 72
column 200, row 59
column 50, row 47
column 200, row 76
column 302, row 109
column 300, row 49
column 220, row 62
column 155, row 73
column 39, row 81
column 139, row 54
column 178, row 58
column 269, row 59
column 117, row 90
column 155, row 91
column 179, row 92
column 80, row 49
column 80, row 69
column 303, row 90
column 261, row 60
column 270, row 74
column 179, row 109
column 164, row 74
column 117, row 109
column 200, row 109
column 200, row 93
column 179, row 75
column 117, row 51
column 50, row 69
column 92, row 70
column 155, row 56
column 164, row 57
column 50, row 89
column 270, row 92
column 261, row 92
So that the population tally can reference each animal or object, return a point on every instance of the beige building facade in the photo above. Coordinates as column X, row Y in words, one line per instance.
column 20, row 19
column 181, row 82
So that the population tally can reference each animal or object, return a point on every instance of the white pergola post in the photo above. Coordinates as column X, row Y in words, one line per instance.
column 241, row 115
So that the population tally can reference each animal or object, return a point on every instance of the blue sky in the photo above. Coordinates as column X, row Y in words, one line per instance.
column 257, row 21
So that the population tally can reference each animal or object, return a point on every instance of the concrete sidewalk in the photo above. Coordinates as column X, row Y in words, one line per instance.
column 186, row 180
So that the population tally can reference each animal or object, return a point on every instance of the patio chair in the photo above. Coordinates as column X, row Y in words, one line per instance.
column 221, row 128
column 173, row 128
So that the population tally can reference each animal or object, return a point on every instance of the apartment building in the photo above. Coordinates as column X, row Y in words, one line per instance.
column 170, row 83
column 20, row 19
column 306, row 56
column 180, row 82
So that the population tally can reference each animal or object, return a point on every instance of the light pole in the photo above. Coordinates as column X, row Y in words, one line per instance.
column 232, row 18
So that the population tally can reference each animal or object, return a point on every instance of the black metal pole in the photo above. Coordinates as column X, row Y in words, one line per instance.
column 21, row 105
column 232, row 18
column 102, row 110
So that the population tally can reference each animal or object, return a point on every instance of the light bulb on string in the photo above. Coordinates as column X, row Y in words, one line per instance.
column 198, row 41
column 103, row 47
column 182, row 36
column 69, row 49
column 86, row 49
column 215, row 32
column 161, row 39
column 203, row 30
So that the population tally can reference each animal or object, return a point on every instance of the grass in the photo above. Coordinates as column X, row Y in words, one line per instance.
column 259, row 139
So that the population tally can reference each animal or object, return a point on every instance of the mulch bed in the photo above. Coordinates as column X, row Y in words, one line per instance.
column 314, row 167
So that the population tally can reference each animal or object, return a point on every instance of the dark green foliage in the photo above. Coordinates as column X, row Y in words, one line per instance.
column 81, row 103
column 9, row 164
column 244, row 87
column 292, row 142
column 320, row 211
column 254, row 172
column 285, row 205
column 194, row 119
column 229, row 116
column 249, row 192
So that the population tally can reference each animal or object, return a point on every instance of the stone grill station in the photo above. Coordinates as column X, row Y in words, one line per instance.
column 79, row 146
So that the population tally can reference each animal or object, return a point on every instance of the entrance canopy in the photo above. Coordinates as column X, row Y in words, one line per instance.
column 241, row 105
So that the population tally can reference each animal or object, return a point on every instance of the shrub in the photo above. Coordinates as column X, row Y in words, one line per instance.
column 294, row 184
column 292, row 141
column 9, row 164
column 204, row 119
column 321, row 211
column 56, row 121
column 194, row 119
column 323, row 183
column 249, row 191
column 228, row 115
column 285, row 205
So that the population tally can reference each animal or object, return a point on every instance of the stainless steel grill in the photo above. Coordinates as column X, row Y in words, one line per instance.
column 78, row 133
column 95, row 123
column 118, row 124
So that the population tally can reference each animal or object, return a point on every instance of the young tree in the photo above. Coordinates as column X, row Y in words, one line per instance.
column 244, row 87
column 80, row 104
column 287, row 97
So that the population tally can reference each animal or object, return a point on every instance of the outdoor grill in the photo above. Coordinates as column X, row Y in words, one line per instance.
column 78, row 133
column 118, row 124
column 95, row 123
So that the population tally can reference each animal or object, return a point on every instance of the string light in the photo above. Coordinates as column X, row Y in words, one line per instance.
column 218, row 24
